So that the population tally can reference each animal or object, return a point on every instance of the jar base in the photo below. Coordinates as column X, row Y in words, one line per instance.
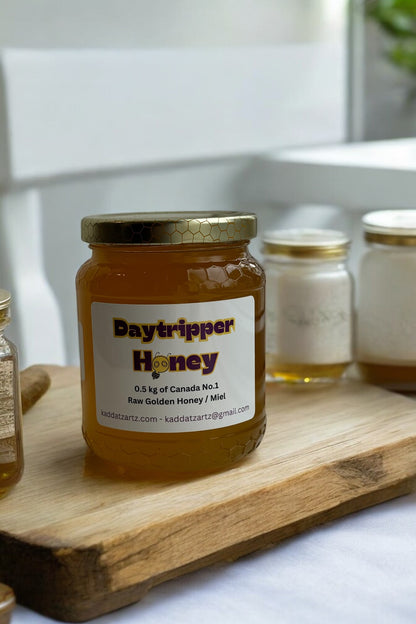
column 307, row 374
column 172, row 456
column 10, row 475
column 389, row 376
column 95, row 465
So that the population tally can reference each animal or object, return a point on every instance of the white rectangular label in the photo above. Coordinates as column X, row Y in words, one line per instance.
column 174, row 367
column 7, row 415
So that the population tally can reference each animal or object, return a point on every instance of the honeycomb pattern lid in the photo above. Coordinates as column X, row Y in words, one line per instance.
column 168, row 228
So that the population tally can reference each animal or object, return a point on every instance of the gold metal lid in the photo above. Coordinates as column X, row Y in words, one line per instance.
column 306, row 243
column 168, row 228
column 5, row 299
column 390, row 227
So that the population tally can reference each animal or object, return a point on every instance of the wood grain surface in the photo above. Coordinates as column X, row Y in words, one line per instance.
column 7, row 603
column 76, row 541
column 34, row 382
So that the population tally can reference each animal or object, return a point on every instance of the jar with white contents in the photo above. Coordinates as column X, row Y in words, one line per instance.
column 308, row 305
column 386, row 305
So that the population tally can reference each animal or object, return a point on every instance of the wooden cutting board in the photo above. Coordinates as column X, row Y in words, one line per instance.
column 75, row 543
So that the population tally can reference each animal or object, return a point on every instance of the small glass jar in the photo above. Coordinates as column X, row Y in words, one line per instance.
column 308, row 305
column 7, row 603
column 171, row 323
column 386, row 302
column 11, row 449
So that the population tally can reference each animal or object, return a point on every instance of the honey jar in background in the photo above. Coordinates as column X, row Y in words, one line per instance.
column 171, row 325
column 386, row 302
column 309, row 299
column 11, row 447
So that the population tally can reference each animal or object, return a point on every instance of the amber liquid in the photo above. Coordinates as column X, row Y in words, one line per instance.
column 11, row 449
column 389, row 376
column 11, row 463
column 308, row 374
column 170, row 274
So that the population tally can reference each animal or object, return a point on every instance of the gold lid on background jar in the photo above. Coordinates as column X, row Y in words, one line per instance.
column 306, row 243
column 5, row 300
column 390, row 227
column 168, row 228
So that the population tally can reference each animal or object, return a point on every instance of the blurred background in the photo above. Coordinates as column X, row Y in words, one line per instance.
column 318, row 75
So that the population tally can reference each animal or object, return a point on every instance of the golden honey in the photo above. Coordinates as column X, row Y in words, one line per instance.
column 171, row 322
column 386, row 311
column 11, row 448
column 308, row 306
column 389, row 376
column 304, row 373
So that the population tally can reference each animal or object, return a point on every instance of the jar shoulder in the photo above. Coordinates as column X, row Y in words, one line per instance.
column 308, row 273
column 7, row 347
column 378, row 260
column 162, row 273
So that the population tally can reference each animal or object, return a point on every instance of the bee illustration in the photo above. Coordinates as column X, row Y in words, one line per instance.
column 160, row 365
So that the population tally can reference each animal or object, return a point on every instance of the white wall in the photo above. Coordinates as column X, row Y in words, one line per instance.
column 167, row 23
column 213, row 184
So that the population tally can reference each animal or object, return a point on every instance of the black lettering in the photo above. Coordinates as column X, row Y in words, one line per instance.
column 142, row 362
column 120, row 327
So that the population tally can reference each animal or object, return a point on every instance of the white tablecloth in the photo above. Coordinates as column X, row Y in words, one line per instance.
column 358, row 569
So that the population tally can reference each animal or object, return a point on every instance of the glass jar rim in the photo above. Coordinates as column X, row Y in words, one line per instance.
column 306, row 242
column 5, row 299
column 390, row 227
column 168, row 228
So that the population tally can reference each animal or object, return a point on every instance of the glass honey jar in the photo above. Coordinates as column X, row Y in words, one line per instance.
column 171, row 326
column 386, row 302
column 309, row 298
column 11, row 446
